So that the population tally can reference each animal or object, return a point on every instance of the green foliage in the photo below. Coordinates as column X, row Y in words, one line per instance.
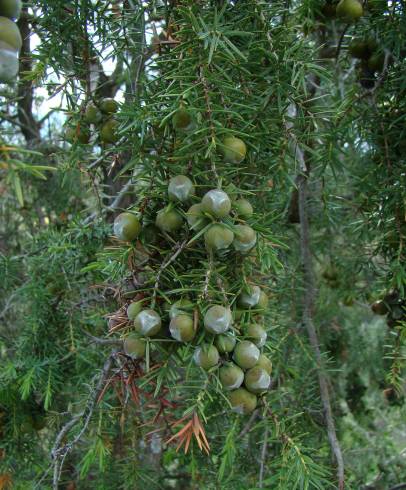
column 256, row 71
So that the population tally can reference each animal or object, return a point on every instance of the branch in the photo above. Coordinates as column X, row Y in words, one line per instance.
column 340, row 42
column 13, row 120
column 100, row 341
column 309, row 301
column 113, row 206
column 8, row 304
column 248, row 425
column 383, row 73
column 29, row 126
column 263, row 458
column 60, row 452
column 179, row 247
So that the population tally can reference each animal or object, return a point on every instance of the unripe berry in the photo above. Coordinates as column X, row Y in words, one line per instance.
column 181, row 119
column 218, row 319
column 234, row 149
column 134, row 346
column 77, row 134
column 181, row 307
column 242, row 401
column 9, row 65
column 10, row 8
column 231, row 376
column 182, row 328
column 243, row 208
column 359, row 48
column 250, row 297
column 225, row 343
column 256, row 334
column 108, row 132
column 168, row 220
column 133, row 309
column 217, row 203
column 126, row 227
column 257, row 380
column 206, row 356
column 180, row 188
column 195, row 217
column 349, row 10
column 92, row 114
column 147, row 323
column 264, row 363
column 108, row 106
column 10, row 34
column 246, row 354
column 218, row 237
column 263, row 302
column 245, row 238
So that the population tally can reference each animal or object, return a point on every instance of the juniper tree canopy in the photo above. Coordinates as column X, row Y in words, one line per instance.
column 202, row 244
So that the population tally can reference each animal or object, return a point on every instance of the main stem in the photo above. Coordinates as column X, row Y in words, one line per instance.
column 309, row 301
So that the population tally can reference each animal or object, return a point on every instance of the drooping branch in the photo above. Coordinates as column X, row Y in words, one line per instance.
column 308, row 312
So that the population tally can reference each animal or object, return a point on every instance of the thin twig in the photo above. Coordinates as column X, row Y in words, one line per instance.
column 179, row 247
column 114, row 205
column 209, row 112
column 98, row 340
column 263, row 458
column 8, row 304
column 340, row 42
column 383, row 72
column 248, row 425
column 207, row 277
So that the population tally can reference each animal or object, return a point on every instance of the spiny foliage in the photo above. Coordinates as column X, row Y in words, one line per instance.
column 256, row 71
